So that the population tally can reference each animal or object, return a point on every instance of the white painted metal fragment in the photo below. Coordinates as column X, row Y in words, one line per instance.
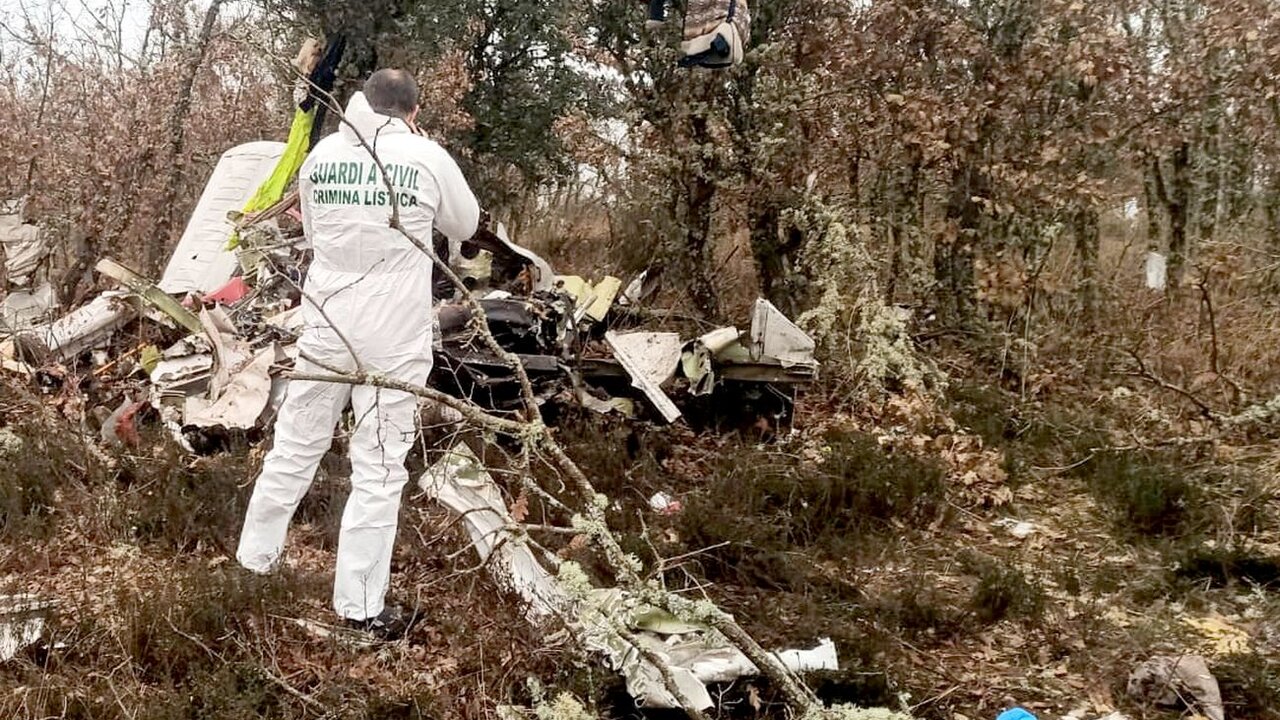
column 775, row 337
column 201, row 263
column 245, row 398
column 1156, row 270
column 22, row 620
column 636, row 367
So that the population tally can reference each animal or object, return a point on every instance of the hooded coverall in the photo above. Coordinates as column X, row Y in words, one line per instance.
column 367, row 306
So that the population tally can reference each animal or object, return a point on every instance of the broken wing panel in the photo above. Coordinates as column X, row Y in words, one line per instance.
column 774, row 336
column 201, row 263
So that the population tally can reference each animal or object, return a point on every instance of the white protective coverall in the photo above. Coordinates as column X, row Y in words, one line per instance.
column 369, row 291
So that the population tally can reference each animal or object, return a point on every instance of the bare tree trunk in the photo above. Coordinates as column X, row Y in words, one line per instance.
column 1208, row 185
column 763, row 222
column 1086, row 231
column 1178, row 202
column 1174, row 194
column 894, row 231
column 45, row 79
column 953, row 260
column 700, row 193
column 903, row 226
column 1270, row 202
column 1151, row 199
column 177, row 139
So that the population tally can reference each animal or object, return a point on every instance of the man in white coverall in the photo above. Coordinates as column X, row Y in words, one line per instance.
column 367, row 306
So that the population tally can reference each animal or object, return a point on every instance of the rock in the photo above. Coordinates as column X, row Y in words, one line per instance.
column 1171, row 680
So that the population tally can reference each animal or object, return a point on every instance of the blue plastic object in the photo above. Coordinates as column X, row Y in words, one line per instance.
column 1015, row 714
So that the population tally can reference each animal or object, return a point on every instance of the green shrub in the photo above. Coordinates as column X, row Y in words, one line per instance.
column 1223, row 566
column 26, row 502
column 763, row 505
column 35, row 462
column 918, row 609
column 1250, row 685
column 182, row 504
column 324, row 502
column 1148, row 496
column 983, row 411
column 1002, row 590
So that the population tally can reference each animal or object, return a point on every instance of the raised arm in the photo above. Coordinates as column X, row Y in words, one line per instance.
column 457, row 212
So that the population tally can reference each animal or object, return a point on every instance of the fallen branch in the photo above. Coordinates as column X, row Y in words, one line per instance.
column 1146, row 374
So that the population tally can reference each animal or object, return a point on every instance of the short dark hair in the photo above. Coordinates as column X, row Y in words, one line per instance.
column 392, row 92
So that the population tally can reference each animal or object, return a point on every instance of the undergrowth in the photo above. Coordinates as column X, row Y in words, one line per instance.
column 758, row 507
column 35, row 465
column 1002, row 590
column 181, row 504
column 1148, row 495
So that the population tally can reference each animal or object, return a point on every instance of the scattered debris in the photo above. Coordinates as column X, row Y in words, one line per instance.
column 460, row 482
column 202, row 263
column 642, row 365
column 699, row 358
column 149, row 293
column 1174, row 680
column 1156, row 270
column 22, row 309
column 1020, row 529
column 120, row 427
column 86, row 328
column 665, row 504
column 241, row 403
column 716, row 33
column 205, row 351
column 593, row 301
column 775, row 339
column 231, row 293
column 692, row 653
column 22, row 242
column 229, row 321
column 22, row 620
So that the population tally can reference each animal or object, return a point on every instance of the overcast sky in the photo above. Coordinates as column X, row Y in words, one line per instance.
column 78, row 17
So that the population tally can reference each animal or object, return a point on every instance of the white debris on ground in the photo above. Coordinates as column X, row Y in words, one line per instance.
column 1173, row 681
column 693, row 654
column 22, row 621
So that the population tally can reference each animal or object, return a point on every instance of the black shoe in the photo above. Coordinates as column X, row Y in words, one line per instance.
column 389, row 625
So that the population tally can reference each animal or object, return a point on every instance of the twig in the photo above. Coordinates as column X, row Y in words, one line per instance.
column 192, row 638
column 107, row 367
column 934, row 699
column 306, row 699
column 469, row 411
column 351, row 350
column 668, row 563
column 1202, row 284
column 555, row 529
column 1146, row 374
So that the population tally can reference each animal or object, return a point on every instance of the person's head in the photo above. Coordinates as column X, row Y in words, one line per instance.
column 392, row 92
